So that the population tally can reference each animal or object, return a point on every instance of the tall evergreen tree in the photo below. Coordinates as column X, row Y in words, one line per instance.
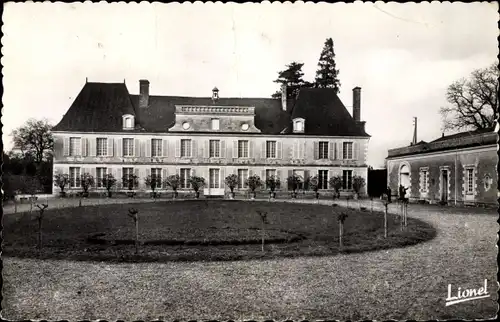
column 327, row 74
column 292, row 78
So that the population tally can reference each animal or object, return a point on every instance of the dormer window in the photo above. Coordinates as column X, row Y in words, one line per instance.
column 128, row 122
column 215, row 124
column 298, row 125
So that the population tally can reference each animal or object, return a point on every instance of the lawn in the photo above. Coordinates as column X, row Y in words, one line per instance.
column 203, row 230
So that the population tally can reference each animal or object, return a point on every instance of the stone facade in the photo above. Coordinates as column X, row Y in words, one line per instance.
column 460, row 175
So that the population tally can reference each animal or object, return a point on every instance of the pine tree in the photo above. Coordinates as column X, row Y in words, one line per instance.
column 292, row 77
column 326, row 75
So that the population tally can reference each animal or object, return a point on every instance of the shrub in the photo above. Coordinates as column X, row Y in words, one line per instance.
column 358, row 182
column 196, row 183
column 294, row 182
column 87, row 181
column 335, row 183
column 108, row 182
column 130, row 181
column 61, row 180
column 153, row 182
column 273, row 183
column 173, row 181
column 232, row 182
column 254, row 182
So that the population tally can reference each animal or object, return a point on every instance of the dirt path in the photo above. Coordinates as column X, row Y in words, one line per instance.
column 408, row 283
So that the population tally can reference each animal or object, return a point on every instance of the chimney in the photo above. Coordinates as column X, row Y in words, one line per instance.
column 143, row 93
column 283, row 97
column 414, row 131
column 356, row 103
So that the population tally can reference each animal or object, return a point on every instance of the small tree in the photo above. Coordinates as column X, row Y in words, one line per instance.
column 87, row 181
column 134, row 214
column 254, row 182
column 273, row 183
column 197, row 183
column 108, row 182
column 232, row 182
column 294, row 182
column 263, row 219
column 313, row 184
column 358, row 182
column 173, row 181
column 40, row 219
column 153, row 182
column 61, row 180
column 341, row 219
column 336, row 183
column 130, row 181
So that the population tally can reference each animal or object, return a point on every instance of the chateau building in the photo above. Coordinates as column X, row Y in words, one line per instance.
column 108, row 130
column 453, row 169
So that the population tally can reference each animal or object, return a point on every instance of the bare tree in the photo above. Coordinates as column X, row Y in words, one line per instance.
column 34, row 138
column 473, row 101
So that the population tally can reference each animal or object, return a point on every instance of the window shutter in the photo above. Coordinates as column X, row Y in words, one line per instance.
column 235, row 149
column 263, row 176
column 335, row 152
column 222, row 177
column 178, row 171
column 263, row 154
column 66, row 147
column 331, row 152
column 222, row 149
column 164, row 176
column 295, row 150
column 148, row 172
column 278, row 174
column 290, row 173
column 279, row 150
column 250, row 172
column 165, row 147
column 92, row 144
column 251, row 146
column 93, row 173
column 206, row 149
column 193, row 173
column 136, row 172
column 306, row 181
column 355, row 147
column 111, row 151
column 178, row 148
column 119, row 147
column 316, row 150
column 341, row 155
column 84, row 147
column 119, row 178
column 302, row 150
column 194, row 150
column 137, row 148
column 148, row 147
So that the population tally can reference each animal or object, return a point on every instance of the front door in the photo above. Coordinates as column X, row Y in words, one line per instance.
column 214, row 183
column 444, row 185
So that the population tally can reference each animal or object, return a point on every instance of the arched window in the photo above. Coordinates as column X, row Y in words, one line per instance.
column 128, row 121
column 298, row 125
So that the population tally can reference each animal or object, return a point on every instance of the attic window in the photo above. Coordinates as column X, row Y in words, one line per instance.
column 298, row 125
column 128, row 121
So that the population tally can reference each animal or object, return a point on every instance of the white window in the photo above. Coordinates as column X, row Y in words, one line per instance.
column 271, row 149
column 322, row 179
column 186, row 125
column 245, row 126
column 156, row 146
column 469, row 183
column 214, row 147
column 156, row 175
column 347, row 179
column 100, row 174
column 74, row 177
column 127, row 174
column 128, row 121
column 242, row 149
column 185, row 175
column 214, row 180
column 75, row 146
column 323, row 150
column 186, row 148
column 102, row 147
column 242, row 178
column 128, row 147
column 347, row 150
column 215, row 124
column 298, row 125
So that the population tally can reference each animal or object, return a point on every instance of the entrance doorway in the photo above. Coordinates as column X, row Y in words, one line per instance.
column 444, row 185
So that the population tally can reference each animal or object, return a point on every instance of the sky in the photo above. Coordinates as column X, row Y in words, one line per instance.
column 403, row 56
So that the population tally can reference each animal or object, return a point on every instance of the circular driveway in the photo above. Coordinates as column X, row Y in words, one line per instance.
column 405, row 283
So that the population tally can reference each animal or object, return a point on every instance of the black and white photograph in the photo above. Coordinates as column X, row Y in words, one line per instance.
column 250, row 162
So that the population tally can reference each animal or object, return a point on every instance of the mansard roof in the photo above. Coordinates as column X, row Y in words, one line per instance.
column 460, row 140
column 99, row 107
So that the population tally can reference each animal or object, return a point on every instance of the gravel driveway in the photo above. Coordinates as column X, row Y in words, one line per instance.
column 408, row 283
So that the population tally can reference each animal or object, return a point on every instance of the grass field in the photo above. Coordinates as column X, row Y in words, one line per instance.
column 203, row 230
